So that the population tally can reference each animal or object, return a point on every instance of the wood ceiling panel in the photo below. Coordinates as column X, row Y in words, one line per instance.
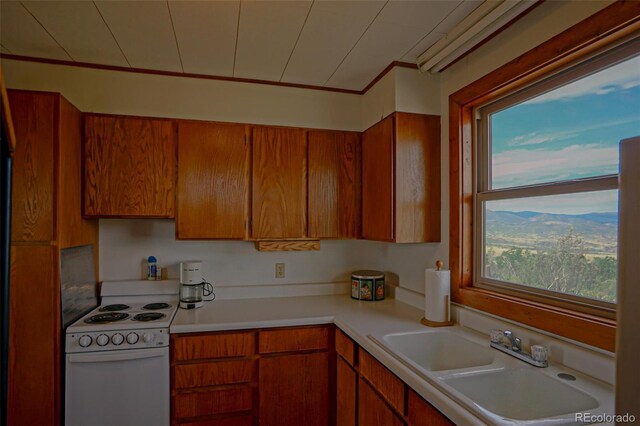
column 206, row 33
column 417, row 50
column 23, row 35
column 79, row 28
column 332, row 29
column 420, row 14
column 144, row 31
column 357, row 71
column 266, row 37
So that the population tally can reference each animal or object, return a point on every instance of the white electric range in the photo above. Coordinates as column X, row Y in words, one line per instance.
column 117, row 356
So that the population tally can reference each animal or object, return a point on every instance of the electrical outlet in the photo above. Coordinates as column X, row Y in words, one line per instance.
column 279, row 270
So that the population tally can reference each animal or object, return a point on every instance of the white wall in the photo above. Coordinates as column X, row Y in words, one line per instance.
column 125, row 243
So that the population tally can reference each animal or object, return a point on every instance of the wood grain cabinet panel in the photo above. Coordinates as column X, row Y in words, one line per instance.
column 372, row 409
column 32, row 218
column 346, row 348
column 294, row 390
column 401, row 179
column 208, row 346
column 346, row 394
column 293, row 339
column 213, row 181
column 377, row 181
column 130, row 167
column 279, row 194
column 334, row 184
column 213, row 373
column 384, row 381
column 245, row 420
column 201, row 403
column 421, row 413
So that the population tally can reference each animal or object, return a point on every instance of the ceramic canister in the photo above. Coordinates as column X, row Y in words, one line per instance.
column 367, row 285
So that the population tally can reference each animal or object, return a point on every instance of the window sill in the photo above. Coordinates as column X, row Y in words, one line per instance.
column 585, row 328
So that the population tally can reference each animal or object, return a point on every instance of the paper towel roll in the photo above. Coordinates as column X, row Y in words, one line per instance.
column 437, row 292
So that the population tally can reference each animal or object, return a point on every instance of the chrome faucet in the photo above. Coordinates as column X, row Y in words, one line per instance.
column 515, row 342
column 514, row 348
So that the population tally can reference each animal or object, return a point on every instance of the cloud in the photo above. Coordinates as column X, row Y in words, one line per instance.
column 538, row 137
column 524, row 166
column 623, row 76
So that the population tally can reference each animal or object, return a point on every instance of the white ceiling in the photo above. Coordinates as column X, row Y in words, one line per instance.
column 341, row 44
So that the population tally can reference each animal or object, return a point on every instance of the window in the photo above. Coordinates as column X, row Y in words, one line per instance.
column 546, row 199
column 589, row 320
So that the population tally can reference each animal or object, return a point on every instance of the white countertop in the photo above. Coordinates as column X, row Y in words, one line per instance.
column 358, row 319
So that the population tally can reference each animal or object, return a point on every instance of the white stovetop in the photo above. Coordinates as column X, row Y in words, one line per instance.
column 128, row 323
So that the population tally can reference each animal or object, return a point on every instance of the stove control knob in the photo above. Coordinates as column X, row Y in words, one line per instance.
column 148, row 337
column 132, row 338
column 85, row 341
column 102, row 339
column 117, row 339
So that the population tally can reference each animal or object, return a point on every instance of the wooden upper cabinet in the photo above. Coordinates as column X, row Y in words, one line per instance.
column 129, row 167
column 377, row 181
column 334, row 184
column 213, row 181
column 33, row 181
column 279, row 183
column 401, row 179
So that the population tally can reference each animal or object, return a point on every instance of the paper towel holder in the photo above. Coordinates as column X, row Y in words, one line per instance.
column 429, row 323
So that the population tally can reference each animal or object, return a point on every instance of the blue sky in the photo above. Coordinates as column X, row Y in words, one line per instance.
column 569, row 133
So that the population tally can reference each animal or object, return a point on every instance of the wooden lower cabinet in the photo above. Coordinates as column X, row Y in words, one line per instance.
column 421, row 413
column 346, row 393
column 294, row 390
column 372, row 409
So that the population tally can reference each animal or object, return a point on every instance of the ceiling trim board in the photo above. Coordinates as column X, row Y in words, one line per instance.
column 174, row 73
column 495, row 33
column 386, row 70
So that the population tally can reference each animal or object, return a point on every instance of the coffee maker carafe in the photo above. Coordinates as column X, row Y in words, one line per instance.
column 192, row 285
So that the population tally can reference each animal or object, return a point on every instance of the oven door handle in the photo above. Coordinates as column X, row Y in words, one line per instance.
column 117, row 356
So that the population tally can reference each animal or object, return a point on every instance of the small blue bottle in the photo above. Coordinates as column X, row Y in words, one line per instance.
column 152, row 268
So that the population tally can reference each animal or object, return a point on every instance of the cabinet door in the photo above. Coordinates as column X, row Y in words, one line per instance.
column 334, row 180
column 294, row 390
column 130, row 167
column 346, row 403
column 421, row 413
column 213, row 181
column 377, row 181
column 279, row 207
column 33, row 172
column 372, row 409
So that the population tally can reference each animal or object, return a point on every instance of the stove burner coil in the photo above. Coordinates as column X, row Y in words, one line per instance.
column 156, row 306
column 107, row 317
column 115, row 307
column 149, row 316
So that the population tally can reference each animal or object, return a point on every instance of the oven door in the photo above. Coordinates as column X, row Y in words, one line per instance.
column 129, row 387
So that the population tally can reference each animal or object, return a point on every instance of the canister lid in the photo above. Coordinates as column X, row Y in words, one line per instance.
column 367, row 274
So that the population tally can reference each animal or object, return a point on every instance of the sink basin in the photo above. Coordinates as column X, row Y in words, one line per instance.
column 522, row 394
column 440, row 350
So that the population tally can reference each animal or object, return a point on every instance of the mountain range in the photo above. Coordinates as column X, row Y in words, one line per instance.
column 528, row 228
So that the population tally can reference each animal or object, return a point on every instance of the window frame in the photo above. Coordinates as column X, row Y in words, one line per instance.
column 611, row 25
column 484, row 193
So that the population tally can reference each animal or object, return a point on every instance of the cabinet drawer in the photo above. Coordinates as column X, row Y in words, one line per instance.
column 383, row 380
column 372, row 410
column 292, row 340
column 225, row 421
column 208, row 346
column 194, row 404
column 345, row 347
column 212, row 373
